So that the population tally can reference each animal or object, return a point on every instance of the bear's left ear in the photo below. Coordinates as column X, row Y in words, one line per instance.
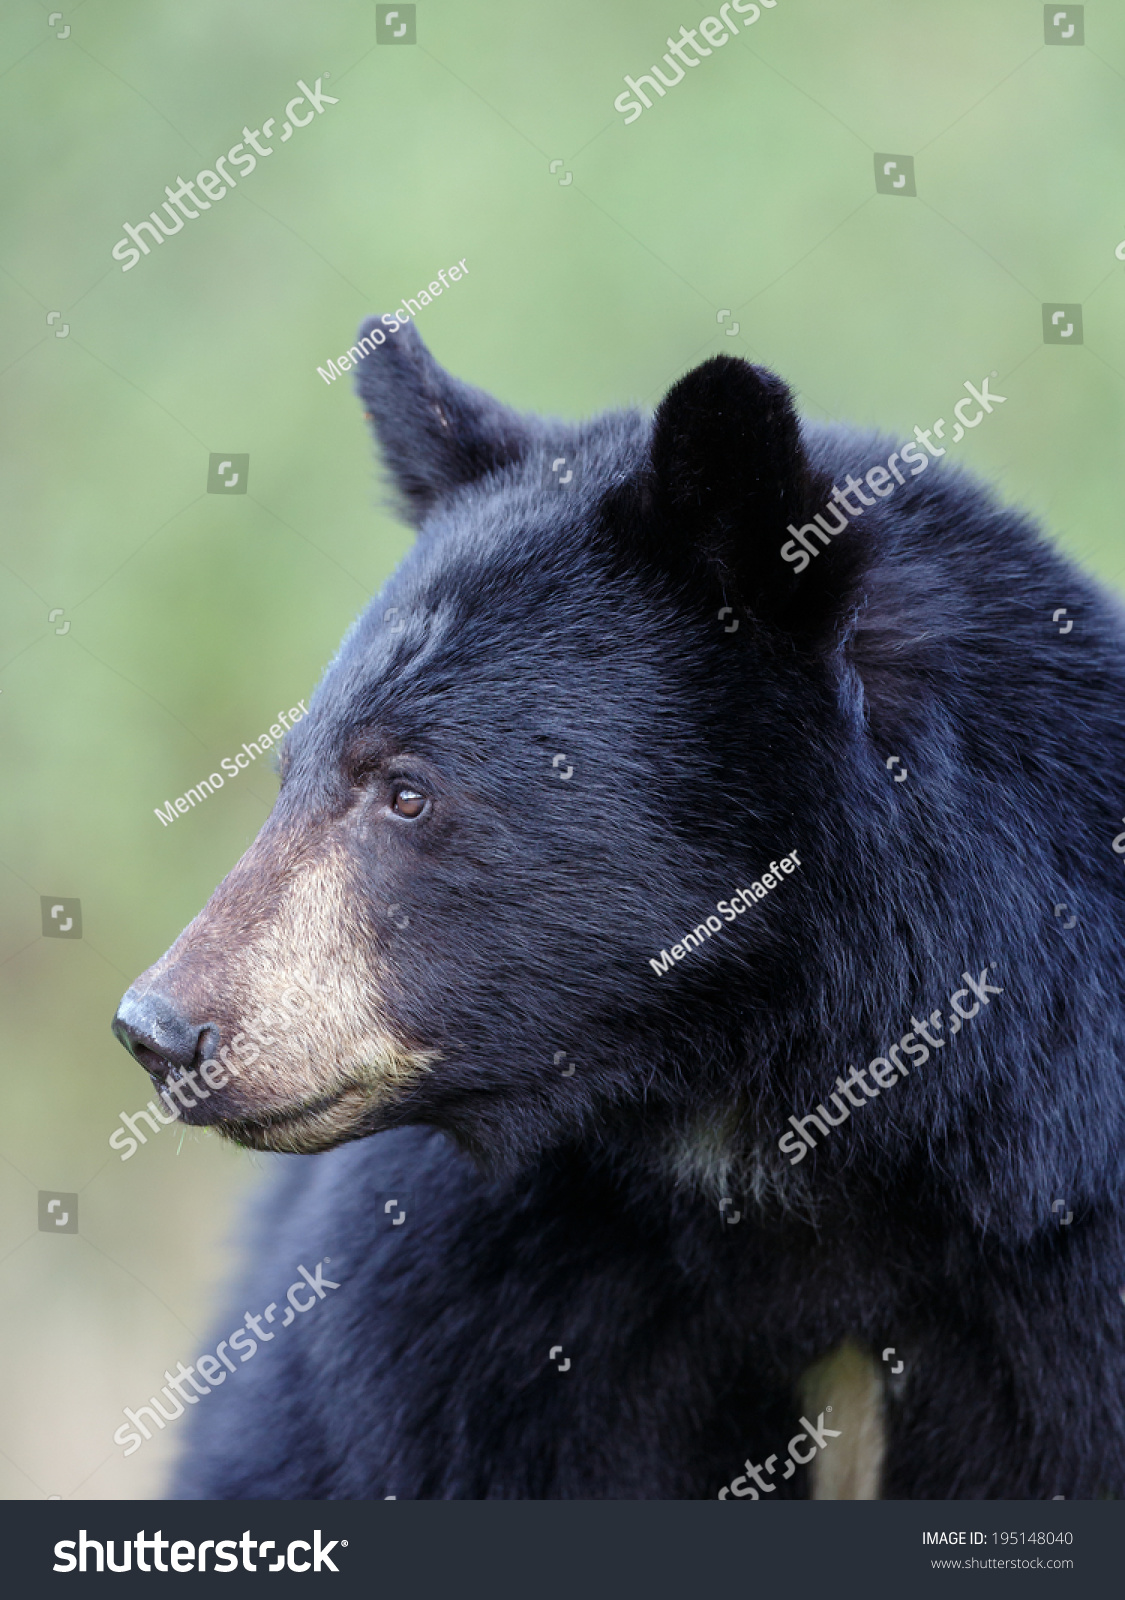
column 436, row 433
column 728, row 474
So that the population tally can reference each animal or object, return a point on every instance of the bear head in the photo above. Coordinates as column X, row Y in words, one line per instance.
column 592, row 703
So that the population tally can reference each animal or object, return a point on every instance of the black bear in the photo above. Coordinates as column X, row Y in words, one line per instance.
column 617, row 838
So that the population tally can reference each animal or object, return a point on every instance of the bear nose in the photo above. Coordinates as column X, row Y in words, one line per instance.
column 158, row 1035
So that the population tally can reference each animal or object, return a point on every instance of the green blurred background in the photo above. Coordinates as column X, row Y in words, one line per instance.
column 193, row 618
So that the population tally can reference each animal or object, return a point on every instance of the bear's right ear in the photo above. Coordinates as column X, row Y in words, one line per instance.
column 436, row 433
column 727, row 477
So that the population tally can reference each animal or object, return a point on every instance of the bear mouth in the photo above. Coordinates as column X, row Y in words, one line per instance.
column 320, row 1124
column 354, row 1102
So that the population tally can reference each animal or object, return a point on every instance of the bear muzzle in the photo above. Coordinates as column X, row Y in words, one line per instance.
column 266, row 1018
column 259, row 1082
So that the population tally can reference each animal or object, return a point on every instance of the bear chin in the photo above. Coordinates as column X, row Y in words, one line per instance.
column 351, row 1113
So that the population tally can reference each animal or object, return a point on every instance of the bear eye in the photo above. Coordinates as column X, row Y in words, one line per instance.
column 408, row 803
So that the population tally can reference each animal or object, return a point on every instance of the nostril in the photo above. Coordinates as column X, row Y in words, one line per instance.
column 156, row 1066
column 157, row 1034
column 207, row 1043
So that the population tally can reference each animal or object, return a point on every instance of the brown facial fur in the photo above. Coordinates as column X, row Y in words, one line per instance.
column 282, row 951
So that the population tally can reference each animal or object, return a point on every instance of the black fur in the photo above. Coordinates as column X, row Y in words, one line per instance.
column 560, row 1210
